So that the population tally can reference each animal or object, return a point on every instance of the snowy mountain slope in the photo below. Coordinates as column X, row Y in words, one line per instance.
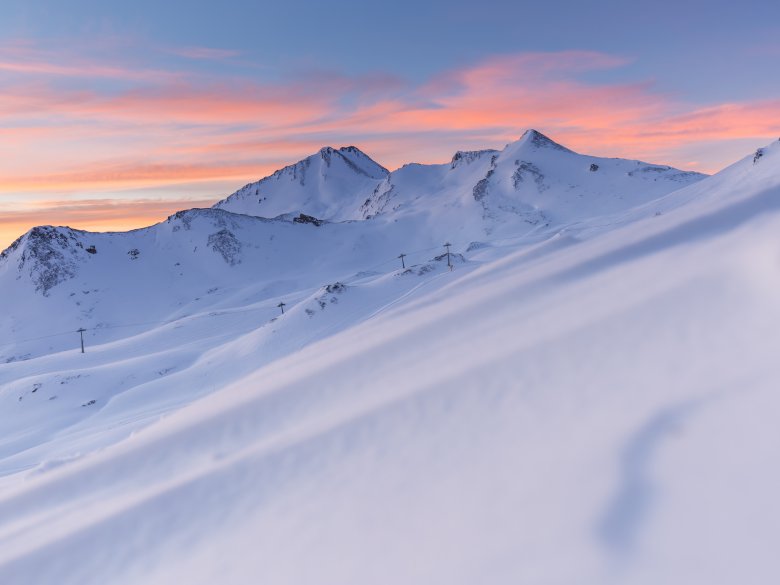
column 168, row 302
column 329, row 184
column 604, row 395
column 58, row 279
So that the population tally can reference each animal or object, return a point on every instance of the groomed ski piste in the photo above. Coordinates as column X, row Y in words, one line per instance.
column 587, row 395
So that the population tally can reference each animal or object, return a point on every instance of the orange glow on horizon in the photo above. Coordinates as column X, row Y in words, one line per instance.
column 93, row 215
column 125, row 177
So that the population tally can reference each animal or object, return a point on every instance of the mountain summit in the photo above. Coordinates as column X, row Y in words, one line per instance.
column 328, row 184
column 539, row 140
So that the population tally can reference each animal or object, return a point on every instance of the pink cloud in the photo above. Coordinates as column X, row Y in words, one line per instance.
column 122, row 176
column 500, row 97
column 23, row 58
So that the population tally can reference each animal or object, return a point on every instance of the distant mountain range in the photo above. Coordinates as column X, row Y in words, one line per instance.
column 534, row 180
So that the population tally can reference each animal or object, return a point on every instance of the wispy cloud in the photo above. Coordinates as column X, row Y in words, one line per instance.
column 205, row 53
column 23, row 58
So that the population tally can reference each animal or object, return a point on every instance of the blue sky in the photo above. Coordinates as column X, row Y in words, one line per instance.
column 685, row 47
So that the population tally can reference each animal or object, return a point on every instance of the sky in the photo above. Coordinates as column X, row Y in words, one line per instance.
column 115, row 114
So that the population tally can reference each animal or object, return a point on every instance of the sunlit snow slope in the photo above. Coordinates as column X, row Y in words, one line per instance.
column 592, row 401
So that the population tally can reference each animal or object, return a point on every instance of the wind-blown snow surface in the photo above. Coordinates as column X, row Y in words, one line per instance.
column 593, row 403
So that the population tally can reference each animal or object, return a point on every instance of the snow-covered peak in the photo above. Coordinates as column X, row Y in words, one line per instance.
column 329, row 184
column 536, row 139
column 46, row 255
column 353, row 158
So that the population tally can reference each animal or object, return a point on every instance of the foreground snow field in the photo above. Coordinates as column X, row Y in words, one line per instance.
column 591, row 400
